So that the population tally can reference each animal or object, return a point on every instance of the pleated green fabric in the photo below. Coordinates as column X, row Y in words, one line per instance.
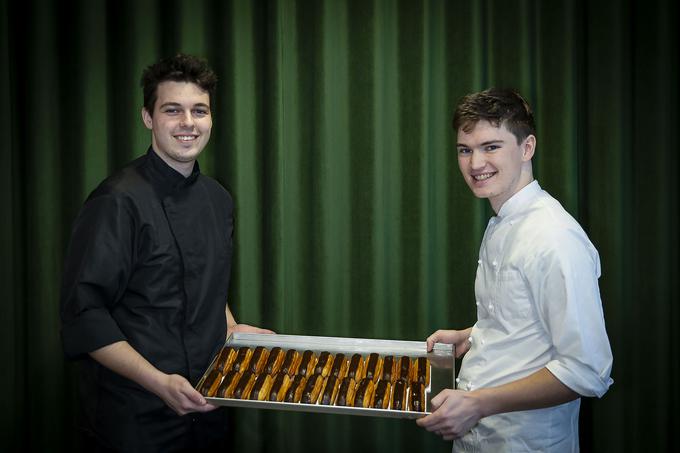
column 332, row 132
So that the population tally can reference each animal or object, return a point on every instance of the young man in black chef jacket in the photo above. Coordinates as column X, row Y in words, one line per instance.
column 145, row 283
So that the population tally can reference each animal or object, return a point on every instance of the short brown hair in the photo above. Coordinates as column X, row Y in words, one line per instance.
column 498, row 106
column 180, row 68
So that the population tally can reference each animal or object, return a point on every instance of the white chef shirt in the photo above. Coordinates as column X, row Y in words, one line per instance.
column 538, row 305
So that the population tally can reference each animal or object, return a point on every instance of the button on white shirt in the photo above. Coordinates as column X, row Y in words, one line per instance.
column 538, row 306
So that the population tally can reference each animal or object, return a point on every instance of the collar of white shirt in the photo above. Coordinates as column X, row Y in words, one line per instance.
column 518, row 201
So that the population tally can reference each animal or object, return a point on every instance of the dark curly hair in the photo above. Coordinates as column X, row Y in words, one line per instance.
column 498, row 106
column 180, row 68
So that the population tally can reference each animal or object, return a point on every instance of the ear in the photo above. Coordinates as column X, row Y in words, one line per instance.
column 146, row 118
column 528, row 148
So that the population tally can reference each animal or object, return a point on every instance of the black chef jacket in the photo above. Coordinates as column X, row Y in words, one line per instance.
column 149, row 263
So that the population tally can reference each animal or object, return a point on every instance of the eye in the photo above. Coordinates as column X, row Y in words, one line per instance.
column 201, row 112
column 171, row 111
column 464, row 151
column 491, row 148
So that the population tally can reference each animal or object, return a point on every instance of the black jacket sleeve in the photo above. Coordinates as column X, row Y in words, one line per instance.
column 97, row 266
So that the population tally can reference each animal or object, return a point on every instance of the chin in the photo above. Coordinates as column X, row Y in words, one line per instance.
column 187, row 156
column 481, row 193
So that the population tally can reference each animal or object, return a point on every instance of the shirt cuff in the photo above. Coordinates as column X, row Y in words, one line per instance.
column 580, row 378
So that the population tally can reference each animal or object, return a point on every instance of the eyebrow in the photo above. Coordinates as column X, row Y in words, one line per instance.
column 177, row 104
column 486, row 143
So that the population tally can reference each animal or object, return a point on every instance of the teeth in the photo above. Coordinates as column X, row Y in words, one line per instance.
column 185, row 138
column 482, row 177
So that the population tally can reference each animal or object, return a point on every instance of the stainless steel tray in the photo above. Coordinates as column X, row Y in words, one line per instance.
column 442, row 373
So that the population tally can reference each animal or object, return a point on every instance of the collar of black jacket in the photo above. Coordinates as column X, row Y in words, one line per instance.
column 167, row 176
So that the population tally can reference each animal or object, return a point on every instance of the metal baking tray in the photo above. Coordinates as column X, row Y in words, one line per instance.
column 442, row 372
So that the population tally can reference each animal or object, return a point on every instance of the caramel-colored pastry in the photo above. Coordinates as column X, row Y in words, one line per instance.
column 364, row 393
column 373, row 367
column 225, row 359
column 339, row 368
column 244, row 386
column 330, row 390
column 259, row 359
column 279, row 387
column 291, row 362
column 381, row 396
column 274, row 361
column 310, row 394
column 261, row 387
column 389, row 367
column 226, row 388
column 356, row 367
column 346, row 392
column 211, row 383
column 324, row 364
column 242, row 359
column 417, row 400
column 404, row 369
column 294, row 392
column 421, row 371
column 307, row 363
column 398, row 402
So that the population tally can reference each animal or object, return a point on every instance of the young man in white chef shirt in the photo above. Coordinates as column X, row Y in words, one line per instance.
column 539, row 342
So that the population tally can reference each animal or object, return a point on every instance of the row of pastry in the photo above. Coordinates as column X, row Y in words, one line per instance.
column 331, row 379
column 317, row 389
column 292, row 362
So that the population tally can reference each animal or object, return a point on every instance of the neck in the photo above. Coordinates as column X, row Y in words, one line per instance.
column 525, row 180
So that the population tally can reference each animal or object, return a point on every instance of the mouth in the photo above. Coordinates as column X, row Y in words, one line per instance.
column 483, row 176
column 186, row 138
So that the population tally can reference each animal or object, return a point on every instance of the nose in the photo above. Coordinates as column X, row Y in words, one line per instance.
column 187, row 120
column 477, row 160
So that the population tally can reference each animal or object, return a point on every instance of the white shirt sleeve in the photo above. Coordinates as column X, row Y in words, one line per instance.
column 563, row 282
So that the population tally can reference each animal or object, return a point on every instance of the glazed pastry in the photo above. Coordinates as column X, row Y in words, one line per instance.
column 364, row 393
column 324, row 364
column 381, row 396
column 421, row 371
column 339, row 368
column 211, row 383
column 226, row 388
column 389, row 366
column 294, row 392
column 330, row 390
column 244, row 386
column 346, row 392
column 225, row 359
column 261, row 387
column 398, row 402
column 259, row 359
column 373, row 367
column 310, row 394
column 417, row 401
column 279, row 386
column 307, row 363
column 242, row 359
column 356, row 367
column 291, row 362
column 274, row 361
column 403, row 370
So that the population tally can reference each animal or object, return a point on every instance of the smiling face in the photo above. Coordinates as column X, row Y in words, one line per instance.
column 493, row 165
column 180, row 125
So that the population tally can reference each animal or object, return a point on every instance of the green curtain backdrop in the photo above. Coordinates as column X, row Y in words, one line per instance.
column 332, row 132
